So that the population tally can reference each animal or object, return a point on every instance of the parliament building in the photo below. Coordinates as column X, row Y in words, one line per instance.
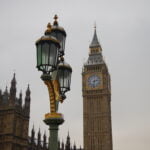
column 14, row 124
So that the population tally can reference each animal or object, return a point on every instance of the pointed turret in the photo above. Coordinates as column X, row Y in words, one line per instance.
column 32, row 135
column 95, row 42
column 68, row 138
column 95, row 55
column 28, row 92
column 95, row 46
column 20, row 99
column 68, row 144
column 44, row 141
column 27, row 101
column 39, row 138
column 74, row 146
column 13, row 87
column 12, row 97
column 62, row 145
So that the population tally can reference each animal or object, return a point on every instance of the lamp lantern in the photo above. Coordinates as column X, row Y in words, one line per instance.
column 47, row 52
column 60, row 34
column 64, row 76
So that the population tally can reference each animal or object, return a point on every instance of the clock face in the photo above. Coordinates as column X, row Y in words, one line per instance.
column 94, row 81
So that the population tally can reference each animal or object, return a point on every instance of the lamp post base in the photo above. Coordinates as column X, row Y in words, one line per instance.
column 53, row 120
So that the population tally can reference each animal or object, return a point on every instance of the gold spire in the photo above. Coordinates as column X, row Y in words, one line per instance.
column 55, row 20
column 55, row 17
column 49, row 28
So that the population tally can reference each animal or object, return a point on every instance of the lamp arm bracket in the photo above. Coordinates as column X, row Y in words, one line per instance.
column 58, row 96
column 51, row 92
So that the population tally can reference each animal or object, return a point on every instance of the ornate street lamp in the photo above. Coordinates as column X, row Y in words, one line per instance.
column 56, row 75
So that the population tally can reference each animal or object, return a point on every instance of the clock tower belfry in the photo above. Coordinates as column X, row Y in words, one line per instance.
column 96, row 100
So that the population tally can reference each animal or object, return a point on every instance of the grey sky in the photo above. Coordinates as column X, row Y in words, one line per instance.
column 123, row 28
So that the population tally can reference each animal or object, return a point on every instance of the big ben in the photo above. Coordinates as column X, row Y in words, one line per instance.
column 96, row 92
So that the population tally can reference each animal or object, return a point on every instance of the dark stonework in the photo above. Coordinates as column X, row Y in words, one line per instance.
column 14, row 123
column 14, row 119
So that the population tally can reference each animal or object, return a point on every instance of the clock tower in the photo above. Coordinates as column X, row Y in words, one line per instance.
column 96, row 100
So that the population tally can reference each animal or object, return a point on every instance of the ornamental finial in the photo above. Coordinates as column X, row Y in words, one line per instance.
column 55, row 17
column 55, row 20
column 49, row 28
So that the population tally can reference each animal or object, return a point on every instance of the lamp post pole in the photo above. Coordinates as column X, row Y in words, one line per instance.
column 56, row 75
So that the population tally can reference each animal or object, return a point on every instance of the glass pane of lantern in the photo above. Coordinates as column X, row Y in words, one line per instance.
column 62, row 41
column 64, row 78
column 61, row 38
column 61, row 80
column 70, row 78
column 45, row 52
column 61, row 75
column 38, row 54
column 53, row 55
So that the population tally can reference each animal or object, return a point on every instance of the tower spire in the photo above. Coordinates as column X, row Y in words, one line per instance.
column 95, row 46
column 74, row 146
column 39, row 137
column 68, row 144
column 62, row 145
column 27, row 101
column 13, row 87
column 95, row 42
column 28, row 91
column 44, row 140
column 20, row 98
column 32, row 134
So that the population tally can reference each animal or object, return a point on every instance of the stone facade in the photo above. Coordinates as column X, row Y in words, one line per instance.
column 14, row 119
column 14, row 124
column 96, row 100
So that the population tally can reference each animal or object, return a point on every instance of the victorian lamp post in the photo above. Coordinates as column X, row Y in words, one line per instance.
column 56, row 75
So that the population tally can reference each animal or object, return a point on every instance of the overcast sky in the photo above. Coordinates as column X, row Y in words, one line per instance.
column 123, row 29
